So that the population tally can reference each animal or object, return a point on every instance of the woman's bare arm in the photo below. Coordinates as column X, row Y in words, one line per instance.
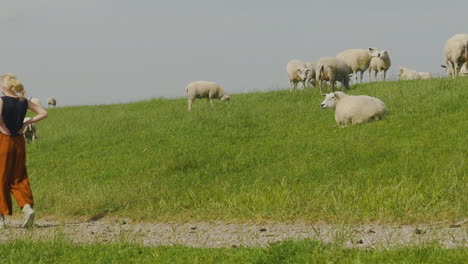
column 3, row 128
column 41, row 114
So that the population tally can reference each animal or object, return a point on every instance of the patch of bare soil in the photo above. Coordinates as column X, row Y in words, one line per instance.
column 222, row 234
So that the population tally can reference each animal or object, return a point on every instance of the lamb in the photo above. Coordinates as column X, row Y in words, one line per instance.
column 294, row 68
column 408, row 74
column 456, row 53
column 354, row 109
column 380, row 64
column 34, row 100
column 51, row 102
column 205, row 89
column 29, row 132
column 358, row 60
column 332, row 70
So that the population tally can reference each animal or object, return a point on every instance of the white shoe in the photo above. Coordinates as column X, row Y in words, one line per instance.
column 2, row 222
column 28, row 216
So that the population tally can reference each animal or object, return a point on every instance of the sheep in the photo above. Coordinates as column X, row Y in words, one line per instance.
column 51, row 102
column 34, row 100
column 380, row 64
column 354, row 109
column 307, row 74
column 463, row 69
column 29, row 132
column 456, row 53
column 333, row 70
column 294, row 68
column 205, row 89
column 408, row 74
column 358, row 60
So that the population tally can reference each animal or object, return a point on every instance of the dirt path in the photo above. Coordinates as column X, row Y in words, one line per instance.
column 222, row 234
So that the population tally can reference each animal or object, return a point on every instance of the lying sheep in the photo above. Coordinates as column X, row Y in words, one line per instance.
column 332, row 70
column 380, row 64
column 294, row 68
column 354, row 109
column 456, row 53
column 358, row 60
column 204, row 89
column 408, row 74
column 51, row 102
column 29, row 132
column 35, row 101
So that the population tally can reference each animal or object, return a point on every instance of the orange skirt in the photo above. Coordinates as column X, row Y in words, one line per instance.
column 13, row 175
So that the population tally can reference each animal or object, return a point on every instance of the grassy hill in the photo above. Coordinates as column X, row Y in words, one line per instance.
column 264, row 156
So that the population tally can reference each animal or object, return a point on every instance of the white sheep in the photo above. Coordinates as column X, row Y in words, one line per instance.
column 456, row 53
column 358, row 60
column 463, row 70
column 307, row 74
column 205, row 89
column 333, row 70
column 380, row 64
column 29, row 132
column 354, row 109
column 35, row 101
column 294, row 69
column 51, row 102
column 408, row 74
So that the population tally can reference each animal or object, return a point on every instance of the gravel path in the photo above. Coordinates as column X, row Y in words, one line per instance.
column 222, row 234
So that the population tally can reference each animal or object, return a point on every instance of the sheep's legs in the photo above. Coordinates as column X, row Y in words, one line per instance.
column 384, row 75
column 190, row 102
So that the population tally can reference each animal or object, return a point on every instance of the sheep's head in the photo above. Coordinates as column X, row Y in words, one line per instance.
column 383, row 54
column 374, row 52
column 225, row 98
column 320, row 75
column 303, row 72
column 330, row 100
column 402, row 70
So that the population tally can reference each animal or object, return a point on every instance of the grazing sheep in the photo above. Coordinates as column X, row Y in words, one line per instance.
column 29, row 132
column 380, row 64
column 294, row 68
column 354, row 109
column 456, row 53
column 408, row 74
column 307, row 74
column 35, row 101
column 332, row 70
column 463, row 69
column 51, row 102
column 358, row 60
column 204, row 89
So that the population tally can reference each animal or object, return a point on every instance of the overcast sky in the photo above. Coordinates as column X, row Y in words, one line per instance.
column 111, row 51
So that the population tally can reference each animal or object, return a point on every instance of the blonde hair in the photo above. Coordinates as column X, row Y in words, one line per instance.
column 16, row 87
column 11, row 75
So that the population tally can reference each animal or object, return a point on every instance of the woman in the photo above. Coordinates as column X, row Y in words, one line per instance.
column 13, row 175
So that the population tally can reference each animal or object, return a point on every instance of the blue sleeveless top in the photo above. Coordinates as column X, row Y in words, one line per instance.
column 13, row 113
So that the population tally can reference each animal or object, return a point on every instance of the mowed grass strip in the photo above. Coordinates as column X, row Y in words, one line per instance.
column 305, row 251
column 264, row 156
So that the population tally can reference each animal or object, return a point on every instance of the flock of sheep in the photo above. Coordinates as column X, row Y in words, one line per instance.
column 30, row 132
column 353, row 62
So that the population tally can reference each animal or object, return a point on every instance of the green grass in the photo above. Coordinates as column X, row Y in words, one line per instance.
column 264, row 156
column 286, row 252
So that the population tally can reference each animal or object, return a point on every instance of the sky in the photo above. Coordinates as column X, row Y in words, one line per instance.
column 85, row 52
